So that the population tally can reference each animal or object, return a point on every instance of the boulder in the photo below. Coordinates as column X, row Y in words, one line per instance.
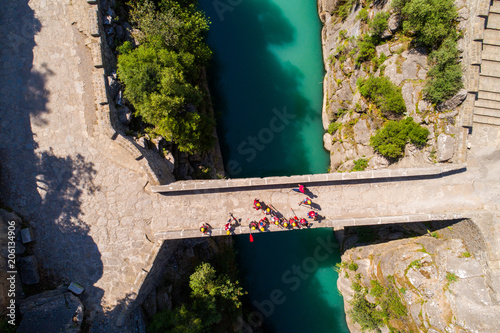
column 362, row 132
column 394, row 22
column 384, row 48
column 327, row 141
column 445, row 147
column 453, row 102
column 51, row 311
column 28, row 269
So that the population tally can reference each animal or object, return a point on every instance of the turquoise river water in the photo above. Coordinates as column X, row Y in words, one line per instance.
column 267, row 86
column 266, row 82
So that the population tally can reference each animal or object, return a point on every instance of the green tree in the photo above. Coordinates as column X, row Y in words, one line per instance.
column 391, row 139
column 212, row 292
column 430, row 20
column 157, row 83
column 445, row 76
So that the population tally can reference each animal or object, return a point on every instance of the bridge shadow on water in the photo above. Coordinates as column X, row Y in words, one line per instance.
column 45, row 187
column 252, row 90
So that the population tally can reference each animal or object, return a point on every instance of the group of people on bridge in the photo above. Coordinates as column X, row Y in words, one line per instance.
column 272, row 217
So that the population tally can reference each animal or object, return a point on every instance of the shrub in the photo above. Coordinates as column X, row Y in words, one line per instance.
column 465, row 255
column 364, row 313
column 445, row 76
column 391, row 139
column 353, row 266
column 366, row 49
column 377, row 289
column 430, row 20
column 385, row 94
column 177, row 320
column 343, row 8
column 451, row 277
column 360, row 164
column 333, row 127
column 363, row 15
column 379, row 23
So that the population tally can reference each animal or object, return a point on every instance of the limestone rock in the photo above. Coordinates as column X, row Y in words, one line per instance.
column 394, row 22
column 453, row 102
column 28, row 269
column 463, row 14
column 384, row 48
column 445, row 147
column 327, row 141
column 362, row 132
column 51, row 311
column 163, row 299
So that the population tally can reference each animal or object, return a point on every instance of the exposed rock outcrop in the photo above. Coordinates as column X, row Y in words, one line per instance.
column 438, row 278
column 395, row 58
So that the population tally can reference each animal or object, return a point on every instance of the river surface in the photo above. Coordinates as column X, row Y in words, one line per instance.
column 266, row 83
column 291, row 281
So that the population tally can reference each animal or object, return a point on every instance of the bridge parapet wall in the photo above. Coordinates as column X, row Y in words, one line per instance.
column 247, row 183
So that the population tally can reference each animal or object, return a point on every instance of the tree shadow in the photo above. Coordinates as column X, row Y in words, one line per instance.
column 45, row 187
column 252, row 89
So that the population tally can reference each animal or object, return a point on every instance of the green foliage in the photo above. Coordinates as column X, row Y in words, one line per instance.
column 379, row 61
column 356, row 287
column 333, row 127
column 161, row 76
column 391, row 139
column 377, row 289
column 157, row 83
column 366, row 48
column 360, row 164
column 364, row 312
column 430, row 20
column 343, row 8
column 379, row 23
column 451, row 277
column 177, row 320
column 445, row 76
column 416, row 264
column 466, row 255
column 206, row 283
column 179, row 25
column 363, row 15
column 353, row 266
column 385, row 94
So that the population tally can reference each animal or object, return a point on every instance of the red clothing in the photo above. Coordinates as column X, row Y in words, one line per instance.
column 301, row 188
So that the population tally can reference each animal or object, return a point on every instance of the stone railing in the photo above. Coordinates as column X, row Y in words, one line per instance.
column 108, row 124
column 326, row 178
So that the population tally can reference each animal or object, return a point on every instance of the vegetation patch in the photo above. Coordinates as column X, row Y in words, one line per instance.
column 391, row 139
column 433, row 24
column 212, row 295
column 385, row 94
column 161, row 76
column 360, row 164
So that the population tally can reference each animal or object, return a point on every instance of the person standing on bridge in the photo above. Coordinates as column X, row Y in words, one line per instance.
column 301, row 189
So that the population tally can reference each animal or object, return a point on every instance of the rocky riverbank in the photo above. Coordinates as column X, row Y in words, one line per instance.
column 417, row 277
column 350, row 120
column 161, row 153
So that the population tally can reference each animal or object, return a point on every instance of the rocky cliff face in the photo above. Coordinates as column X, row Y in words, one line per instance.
column 356, row 120
column 436, row 282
